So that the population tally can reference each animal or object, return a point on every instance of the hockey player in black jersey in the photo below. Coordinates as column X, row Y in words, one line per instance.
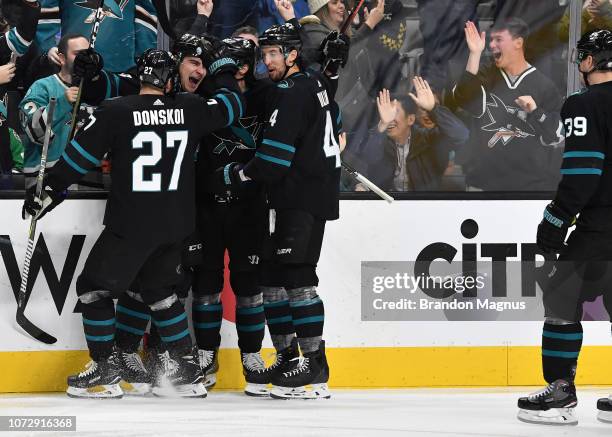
column 298, row 160
column 150, row 211
column 583, row 270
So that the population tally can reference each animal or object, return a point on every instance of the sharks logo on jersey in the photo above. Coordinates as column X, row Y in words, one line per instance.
column 244, row 136
column 506, row 122
column 112, row 9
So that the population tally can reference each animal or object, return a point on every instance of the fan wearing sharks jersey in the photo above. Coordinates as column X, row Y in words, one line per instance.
column 514, row 109
column 128, row 28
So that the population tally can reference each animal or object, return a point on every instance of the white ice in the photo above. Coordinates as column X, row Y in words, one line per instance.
column 418, row 412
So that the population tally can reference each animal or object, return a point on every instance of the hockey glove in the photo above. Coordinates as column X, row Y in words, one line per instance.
column 552, row 230
column 335, row 50
column 216, row 57
column 229, row 179
column 87, row 64
column 36, row 125
column 37, row 207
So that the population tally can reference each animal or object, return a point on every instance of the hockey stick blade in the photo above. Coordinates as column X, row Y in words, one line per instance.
column 368, row 183
column 33, row 330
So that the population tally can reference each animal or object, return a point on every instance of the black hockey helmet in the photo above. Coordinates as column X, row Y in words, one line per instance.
column 284, row 35
column 188, row 45
column 156, row 68
column 598, row 44
column 242, row 50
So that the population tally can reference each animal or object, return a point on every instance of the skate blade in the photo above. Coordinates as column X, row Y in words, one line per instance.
column 181, row 391
column 554, row 416
column 257, row 390
column 108, row 391
column 210, row 381
column 135, row 388
column 314, row 391
column 604, row 416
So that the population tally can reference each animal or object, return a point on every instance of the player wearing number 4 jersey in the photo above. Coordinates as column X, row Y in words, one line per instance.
column 150, row 210
column 583, row 270
column 298, row 161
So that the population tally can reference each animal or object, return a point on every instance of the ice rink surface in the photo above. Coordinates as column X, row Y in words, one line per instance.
column 418, row 412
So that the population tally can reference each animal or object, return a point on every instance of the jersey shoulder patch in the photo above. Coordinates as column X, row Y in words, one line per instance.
column 285, row 84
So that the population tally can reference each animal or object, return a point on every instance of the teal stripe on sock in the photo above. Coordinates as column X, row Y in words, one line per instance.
column 176, row 337
column 277, row 320
column 251, row 328
column 108, row 322
column 129, row 312
column 171, row 321
column 563, row 336
column 559, row 354
column 100, row 337
column 205, row 307
column 313, row 319
column 129, row 329
column 251, row 310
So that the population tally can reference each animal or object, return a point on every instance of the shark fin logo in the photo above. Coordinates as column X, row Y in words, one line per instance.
column 244, row 136
column 506, row 122
column 111, row 9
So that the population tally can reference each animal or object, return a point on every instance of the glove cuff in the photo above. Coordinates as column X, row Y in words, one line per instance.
column 556, row 217
column 220, row 63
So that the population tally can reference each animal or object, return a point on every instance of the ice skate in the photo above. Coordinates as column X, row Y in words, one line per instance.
column 255, row 375
column 311, row 370
column 553, row 405
column 604, row 405
column 209, row 362
column 135, row 379
column 99, row 380
column 180, row 376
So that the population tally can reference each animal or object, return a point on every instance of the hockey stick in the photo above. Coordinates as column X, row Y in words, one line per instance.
column 162, row 18
column 20, row 317
column 92, row 44
column 368, row 183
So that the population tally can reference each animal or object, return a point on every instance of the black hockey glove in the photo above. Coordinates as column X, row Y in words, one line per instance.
column 229, row 179
column 335, row 51
column 216, row 57
column 87, row 64
column 38, row 207
column 552, row 230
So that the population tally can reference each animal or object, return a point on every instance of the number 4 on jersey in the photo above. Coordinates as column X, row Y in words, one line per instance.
column 330, row 145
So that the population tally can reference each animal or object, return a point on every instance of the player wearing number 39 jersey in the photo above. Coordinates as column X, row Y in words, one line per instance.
column 153, row 137
column 583, row 270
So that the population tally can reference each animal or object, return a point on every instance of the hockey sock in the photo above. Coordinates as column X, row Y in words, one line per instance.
column 278, row 316
column 308, row 316
column 560, row 349
column 207, row 314
column 171, row 321
column 133, row 316
column 99, row 326
column 250, row 322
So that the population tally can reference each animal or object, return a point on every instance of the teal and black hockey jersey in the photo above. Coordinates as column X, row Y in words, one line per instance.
column 38, row 96
column 128, row 28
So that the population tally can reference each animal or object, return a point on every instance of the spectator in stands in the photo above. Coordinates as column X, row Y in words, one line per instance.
column 403, row 156
column 441, row 24
column 247, row 32
column 269, row 14
column 229, row 15
column 127, row 29
column 198, row 24
column 596, row 14
column 34, row 108
column 514, row 109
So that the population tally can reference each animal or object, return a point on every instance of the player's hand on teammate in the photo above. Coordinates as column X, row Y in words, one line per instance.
column 553, row 228
column 285, row 9
column 387, row 109
column 424, row 98
column 7, row 72
column 229, row 179
column 527, row 104
column 476, row 41
column 87, row 64
column 37, row 207
column 205, row 7
column 335, row 49
column 217, row 59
